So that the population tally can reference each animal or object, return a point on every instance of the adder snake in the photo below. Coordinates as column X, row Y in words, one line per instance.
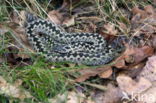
column 59, row 46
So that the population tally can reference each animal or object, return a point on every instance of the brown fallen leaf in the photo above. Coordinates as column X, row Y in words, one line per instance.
column 143, row 21
column 149, row 71
column 69, row 97
column 12, row 90
column 87, row 73
column 131, row 71
column 131, row 86
column 106, row 74
column 15, row 58
column 110, row 29
column 55, row 16
column 90, row 28
column 74, row 97
column 15, row 17
column 19, row 44
column 69, row 21
column 133, row 55
column 18, row 31
column 111, row 95
column 149, row 10
column 123, row 27
column 149, row 95
column 142, row 53
column 136, row 10
column 61, row 18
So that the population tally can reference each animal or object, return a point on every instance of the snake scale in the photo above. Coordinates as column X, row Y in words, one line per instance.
column 59, row 46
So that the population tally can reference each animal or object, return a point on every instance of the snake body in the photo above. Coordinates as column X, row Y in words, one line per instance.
column 59, row 46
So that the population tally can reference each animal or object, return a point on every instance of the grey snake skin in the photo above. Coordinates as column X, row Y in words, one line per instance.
column 59, row 46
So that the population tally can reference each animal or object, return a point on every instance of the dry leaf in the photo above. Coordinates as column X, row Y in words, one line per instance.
column 14, row 58
column 90, row 28
column 133, row 55
column 16, row 55
column 60, row 18
column 15, row 17
column 111, row 95
column 149, row 71
column 133, row 70
column 120, row 63
column 149, row 10
column 143, row 21
column 55, row 16
column 110, row 29
column 87, row 73
column 74, row 97
column 136, row 10
column 130, row 86
column 123, row 26
column 12, row 90
column 68, row 97
column 106, row 74
column 69, row 21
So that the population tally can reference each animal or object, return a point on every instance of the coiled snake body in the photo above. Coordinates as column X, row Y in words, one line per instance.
column 58, row 46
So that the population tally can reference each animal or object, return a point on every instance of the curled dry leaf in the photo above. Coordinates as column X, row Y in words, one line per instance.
column 15, row 17
column 149, row 9
column 133, row 71
column 20, row 44
column 87, row 73
column 146, row 78
column 69, row 97
column 133, row 55
column 136, row 10
column 110, row 29
column 106, row 74
column 74, row 97
column 130, row 86
column 143, row 21
column 69, row 21
column 55, row 16
column 60, row 18
column 142, row 53
column 15, row 58
column 111, row 95
column 12, row 90
column 21, row 40
column 90, row 28
column 149, row 71
column 123, row 26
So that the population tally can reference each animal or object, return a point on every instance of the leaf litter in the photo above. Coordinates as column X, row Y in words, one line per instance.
column 134, row 57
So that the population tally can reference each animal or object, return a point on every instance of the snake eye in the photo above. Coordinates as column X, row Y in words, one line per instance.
column 67, row 47
column 41, row 34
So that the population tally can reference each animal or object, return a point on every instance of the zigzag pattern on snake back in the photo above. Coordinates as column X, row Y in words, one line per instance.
column 58, row 46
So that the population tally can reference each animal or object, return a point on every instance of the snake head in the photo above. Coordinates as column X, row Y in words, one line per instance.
column 62, row 48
